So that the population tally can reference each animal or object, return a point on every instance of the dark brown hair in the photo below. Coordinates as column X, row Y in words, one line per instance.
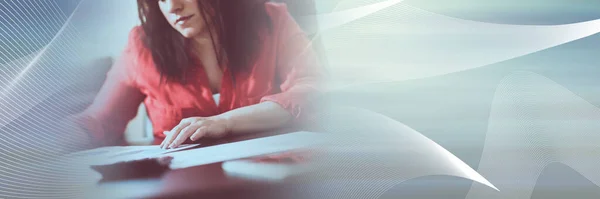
column 236, row 23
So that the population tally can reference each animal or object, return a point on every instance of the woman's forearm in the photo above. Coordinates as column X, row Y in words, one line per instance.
column 259, row 117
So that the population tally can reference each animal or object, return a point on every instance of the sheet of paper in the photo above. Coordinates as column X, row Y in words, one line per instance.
column 151, row 150
column 245, row 149
column 97, row 151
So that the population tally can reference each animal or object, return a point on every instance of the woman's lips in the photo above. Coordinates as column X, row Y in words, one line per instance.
column 182, row 20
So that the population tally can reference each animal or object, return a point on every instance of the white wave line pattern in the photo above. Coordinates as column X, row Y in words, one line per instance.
column 22, row 54
column 373, row 150
column 534, row 122
column 380, row 42
column 335, row 19
column 26, row 168
column 35, row 60
column 26, row 69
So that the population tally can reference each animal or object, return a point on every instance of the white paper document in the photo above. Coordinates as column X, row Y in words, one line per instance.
column 245, row 149
column 187, row 158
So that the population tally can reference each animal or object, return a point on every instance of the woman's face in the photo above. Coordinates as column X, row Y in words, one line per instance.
column 184, row 16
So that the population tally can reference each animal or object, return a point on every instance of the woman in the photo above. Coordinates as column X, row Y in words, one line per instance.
column 250, row 52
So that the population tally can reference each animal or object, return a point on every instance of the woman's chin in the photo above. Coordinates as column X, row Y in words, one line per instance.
column 189, row 32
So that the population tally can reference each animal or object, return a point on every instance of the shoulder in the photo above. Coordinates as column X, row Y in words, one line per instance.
column 276, row 8
column 135, row 57
column 282, row 20
column 278, row 12
column 136, row 50
column 135, row 41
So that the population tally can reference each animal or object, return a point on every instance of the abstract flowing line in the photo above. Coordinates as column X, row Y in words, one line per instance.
column 335, row 19
column 368, row 44
column 20, row 76
column 18, row 104
column 36, row 58
column 374, row 150
column 27, row 171
column 534, row 122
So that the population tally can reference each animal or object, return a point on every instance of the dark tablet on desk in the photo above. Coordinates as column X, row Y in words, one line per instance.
column 133, row 170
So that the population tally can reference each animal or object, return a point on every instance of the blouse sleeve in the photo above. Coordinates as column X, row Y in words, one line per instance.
column 297, row 65
column 118, row 100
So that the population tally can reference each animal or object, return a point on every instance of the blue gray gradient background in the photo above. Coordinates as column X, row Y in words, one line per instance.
column 452, row 110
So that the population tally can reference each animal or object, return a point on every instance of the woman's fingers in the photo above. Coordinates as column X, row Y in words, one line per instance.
column 194, row 129
column 167, row 140
column 174, row 133
column 166, row 133
column 184, row 134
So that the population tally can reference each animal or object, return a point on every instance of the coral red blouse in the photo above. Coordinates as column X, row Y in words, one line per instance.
column 286, row 72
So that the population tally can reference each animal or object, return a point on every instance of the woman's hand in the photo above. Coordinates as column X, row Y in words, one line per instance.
column 196, row 128
column 254, row 118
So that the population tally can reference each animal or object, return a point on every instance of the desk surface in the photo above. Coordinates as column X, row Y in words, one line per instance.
column 201, row 181
column 206, row 180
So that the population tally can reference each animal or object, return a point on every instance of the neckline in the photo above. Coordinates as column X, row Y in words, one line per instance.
column 222, row 90
column 224, row 77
